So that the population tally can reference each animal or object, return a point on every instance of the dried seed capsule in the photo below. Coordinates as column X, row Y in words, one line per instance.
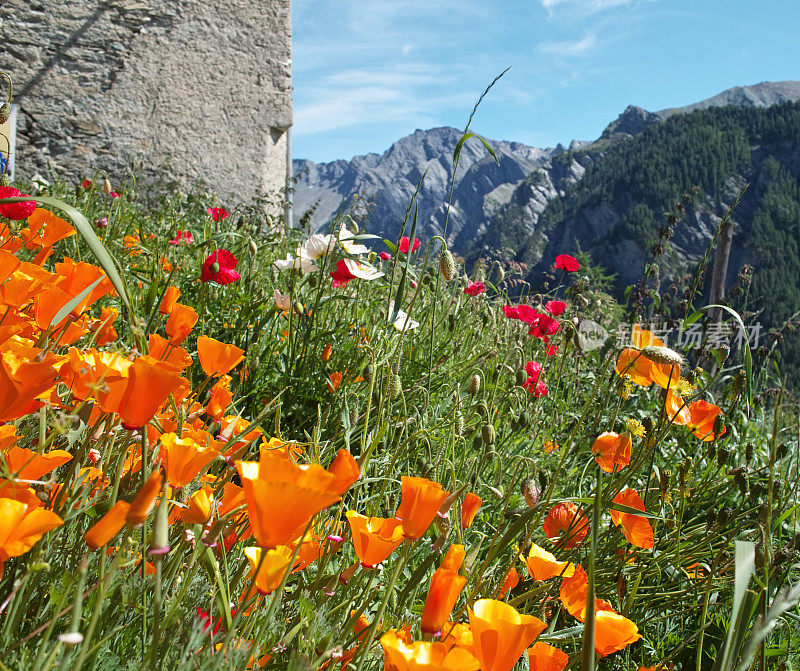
column 107, row 186
column 722, row 456
column 447, row 265
column 488, row 434
column 664, row 355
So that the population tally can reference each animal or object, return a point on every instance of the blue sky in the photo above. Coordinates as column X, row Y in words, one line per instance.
column 367, row 72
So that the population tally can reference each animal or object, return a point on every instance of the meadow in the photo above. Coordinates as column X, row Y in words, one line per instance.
column 227, row 443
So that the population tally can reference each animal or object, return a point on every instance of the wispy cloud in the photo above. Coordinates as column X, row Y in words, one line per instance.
column 585, row 6
column 570, row 48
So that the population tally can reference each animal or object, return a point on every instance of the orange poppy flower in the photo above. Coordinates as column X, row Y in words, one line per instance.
column 420, row 501
column 220, row 398
column 641, row 370
column 161, row 349
column 199, row 507
column 635, row 528
column 613, row 632
column 509, row 582
column 217, row 358
column 108, row 526
column 102, row 375
column 566, row 525
column 612, row 450
column 334, row 380
column 23, row 378
column 283, row 496
column 180, row 323
column 400, row 655
column 453, row 558
column 171, row 296
column 28, row 465
column 703, row 414
column 145, row 500
column 346, row 470
column 183, row 458
column 374, row 538
column 45, row 229
column 544, row 657
column 469, row 508
column 272, row 569
column 149, row 384
column 501, row 634
column 676, row 409
column 8, row 436
column 443, row 593
column 75, row 277
column 21, row 527
column 574, row 592
column 19, row 491
column 326, row 352
column 103, row 328
column 543, row 565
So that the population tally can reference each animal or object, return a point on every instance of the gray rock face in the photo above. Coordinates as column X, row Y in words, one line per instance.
column 390, row 180
column 202, row 86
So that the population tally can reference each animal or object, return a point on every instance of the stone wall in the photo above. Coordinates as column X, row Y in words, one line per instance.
column 203, row 87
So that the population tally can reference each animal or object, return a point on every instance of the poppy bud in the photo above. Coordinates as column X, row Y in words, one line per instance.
column 251, row 245
column 711, row 518
column 159, row 543
column 4, row 180
column 477, row 443
column 474, row 385
column 107, row 186
column 312, row 281
column 214, row 268
column 748, row 453
column 458, row 428
column 447, row 265
column 740, row 479
column 395, row 386
column 5, row 112
column 664, row 355
column 451, row 322
column 782, row 451
column 530, row 490
column 501, row 274
column 719, row 424
column 521, row 376
column 524, row 420
column 482, row 410
column 488, row 434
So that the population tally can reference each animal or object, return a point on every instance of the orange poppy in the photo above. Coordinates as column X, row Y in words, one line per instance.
column 612, row 451
column 8, row 436
column 171, row 296
column 346, row 470
column 145, row 500
column 400, row 655
column 574, row 592
column 469, row 509
column 374, row 538
column 28, row 465
column 635, row 528
column 543, row 565
column 703, row 415
column 180, row 323
column 544, row 657
column 108, row 526
column 326, row 352
column 161, row 349
column 453, row 558
column 641, row 370
column 566, row 525
column 334, row 381
column 613, row 632
column 272, row 569
column 102, row 375
column 676, row 409
column 217, row 358
column 23, row 378
column 149, row 384
column 45, row 229
column 509, row 582
column 220, row 398
column 183, row 458
column 103, row 328
column 283, row 496
column 199, row 507
column 501, row 634
column 75, row 277
column 443, row 593
column 21, row 527
column 419, row 503
column 19, row 491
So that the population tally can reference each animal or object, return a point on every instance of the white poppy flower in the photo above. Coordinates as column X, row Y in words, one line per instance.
column 301, row 263
column 316, row 246
column 362, row 270
column 345, row 240
column 283, row 301
column 402, row 321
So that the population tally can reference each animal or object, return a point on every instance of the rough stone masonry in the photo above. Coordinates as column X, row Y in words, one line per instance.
column 201, row 87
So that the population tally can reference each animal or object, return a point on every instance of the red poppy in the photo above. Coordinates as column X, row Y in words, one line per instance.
column 217, row 213
column 567, row 262
column 474, row 288
column 567, row 524
column 342, row 275
column 113, row 194
column 405, row 242
column 182, row 238
column 385, row 256
column 15, row 211
column 555, row 308
column 219, row 268
column 86, row 184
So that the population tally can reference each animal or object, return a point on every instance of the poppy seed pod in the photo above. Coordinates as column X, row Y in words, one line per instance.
column 395, row 386
column 5, row 112
column 723, row 351
column 215, row 268
column 488, row 434
column 106, row 186
column 447, row 265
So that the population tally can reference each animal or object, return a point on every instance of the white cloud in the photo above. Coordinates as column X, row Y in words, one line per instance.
column 570, row 48
column 585, row 6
